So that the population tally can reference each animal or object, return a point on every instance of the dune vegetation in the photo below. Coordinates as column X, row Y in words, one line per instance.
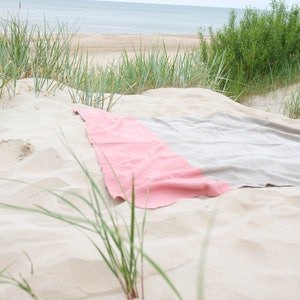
column 118, row 242
column 259, row 52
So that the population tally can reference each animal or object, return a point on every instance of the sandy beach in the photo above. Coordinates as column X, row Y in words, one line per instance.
column 105, row 48
column 243, row 244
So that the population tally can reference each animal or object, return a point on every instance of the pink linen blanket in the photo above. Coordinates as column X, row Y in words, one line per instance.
column 126, row 149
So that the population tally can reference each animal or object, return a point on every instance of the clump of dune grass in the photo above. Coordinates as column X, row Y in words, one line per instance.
column 150, row 69
column 292, row 107
column 30, row 52
column 15, row 38
column 51, row 57
column 50, row 53
column 21, row 282
column 88, row 84
column 156, row 68
column 118, row 242
column 260, row 51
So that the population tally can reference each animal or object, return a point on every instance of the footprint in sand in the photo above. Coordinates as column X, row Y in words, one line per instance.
column 13, row 151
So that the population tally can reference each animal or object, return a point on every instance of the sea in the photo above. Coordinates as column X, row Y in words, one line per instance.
column 105, row 17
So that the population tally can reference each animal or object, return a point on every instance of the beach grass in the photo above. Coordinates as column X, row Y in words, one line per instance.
column 291, row 108
column 261, row 50
column 49, row 57
column 119, row 242
column 156, row 69
column 15, row 41
column 20, row 282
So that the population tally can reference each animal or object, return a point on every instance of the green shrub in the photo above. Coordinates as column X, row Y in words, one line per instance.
column 292, row 107
column 261, row 49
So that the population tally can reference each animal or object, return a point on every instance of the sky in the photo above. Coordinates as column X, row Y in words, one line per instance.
column 259, row 4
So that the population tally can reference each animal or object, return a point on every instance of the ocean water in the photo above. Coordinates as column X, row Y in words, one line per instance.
column 94, row 16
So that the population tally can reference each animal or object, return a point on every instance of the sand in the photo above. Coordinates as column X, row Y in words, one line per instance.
column 107, row 48
column 254, row 241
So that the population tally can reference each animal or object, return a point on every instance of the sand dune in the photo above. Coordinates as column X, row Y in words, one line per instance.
column 254, row 244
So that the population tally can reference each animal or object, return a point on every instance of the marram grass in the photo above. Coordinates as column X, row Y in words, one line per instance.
column 119, row 243
column 20, row 282
column 260, row 51
column 292, row 107
column 50, row 57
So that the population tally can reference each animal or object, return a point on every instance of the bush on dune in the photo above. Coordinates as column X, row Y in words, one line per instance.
column 259, row 50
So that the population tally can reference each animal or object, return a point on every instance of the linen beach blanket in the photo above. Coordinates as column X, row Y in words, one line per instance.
column 182, row 157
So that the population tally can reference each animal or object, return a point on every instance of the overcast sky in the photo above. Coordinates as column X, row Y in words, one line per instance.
column 220, row 3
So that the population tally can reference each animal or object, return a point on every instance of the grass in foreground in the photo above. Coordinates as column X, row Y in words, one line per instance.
column 116, row 240
column 7, row 278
